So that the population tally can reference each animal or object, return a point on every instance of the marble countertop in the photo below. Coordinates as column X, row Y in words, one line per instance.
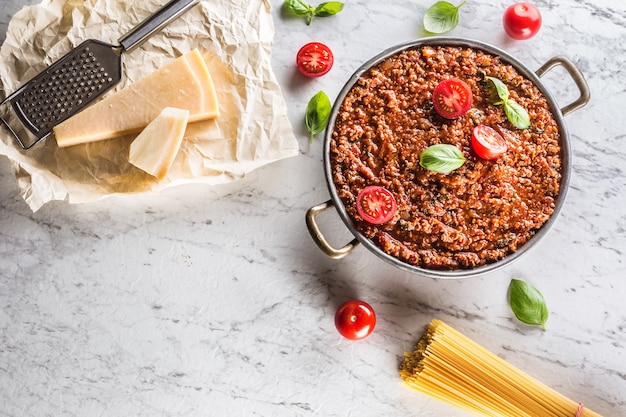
column 214, row 301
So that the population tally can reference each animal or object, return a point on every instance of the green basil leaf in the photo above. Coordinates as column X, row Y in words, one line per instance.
column 517, row 115
column 328, row 8
column 441, row 17
column 501, row 89
column 527, row 303
column 442, row 158
column 298, row 7
column 317, row 114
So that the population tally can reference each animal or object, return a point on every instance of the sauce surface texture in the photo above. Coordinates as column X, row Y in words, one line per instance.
column 475, row 215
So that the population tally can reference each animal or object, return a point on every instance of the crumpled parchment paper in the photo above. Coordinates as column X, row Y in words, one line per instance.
column 234, row 36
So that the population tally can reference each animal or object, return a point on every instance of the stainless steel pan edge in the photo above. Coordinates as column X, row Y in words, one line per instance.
column 335, row 201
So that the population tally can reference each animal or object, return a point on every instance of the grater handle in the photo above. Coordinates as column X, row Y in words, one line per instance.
column 155, row 23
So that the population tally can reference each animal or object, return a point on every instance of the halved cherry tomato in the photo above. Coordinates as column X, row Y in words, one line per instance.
column 452, row 98
column 521, row 21
column 355, row 319
column 314, row 59
column 487, row 142
column 376, row 204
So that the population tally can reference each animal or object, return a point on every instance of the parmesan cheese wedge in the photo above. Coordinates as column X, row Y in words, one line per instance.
column 184, row 83
column 155, row 148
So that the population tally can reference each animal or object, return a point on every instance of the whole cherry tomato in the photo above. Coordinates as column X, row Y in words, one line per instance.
column 521, row 21
column 355, row 319
column 314, row 59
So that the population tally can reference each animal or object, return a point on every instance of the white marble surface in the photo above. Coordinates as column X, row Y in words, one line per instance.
column 216, row 302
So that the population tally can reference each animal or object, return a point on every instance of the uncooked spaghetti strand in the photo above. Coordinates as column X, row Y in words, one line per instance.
column 471, row 395
column 438, row 373
column 470, row 382
column 551, row 401
column 526, row 392
column 528, row 385
column 486, row 386
column 476, row 369
column 450, row 367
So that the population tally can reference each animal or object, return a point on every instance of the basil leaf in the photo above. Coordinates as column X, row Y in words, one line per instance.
column 317, row 114
column 328, row 8
column 501, row 89
column 527, row 303
column 442, row 17
column 517, row 115
column 301, row 8
column 442, row 158
column 298, row 7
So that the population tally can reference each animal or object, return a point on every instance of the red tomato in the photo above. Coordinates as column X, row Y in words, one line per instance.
column 452, row 98
column 314, row 59
column 487, row 143
column 376, row 204
column 521, row 21
column 355, row 319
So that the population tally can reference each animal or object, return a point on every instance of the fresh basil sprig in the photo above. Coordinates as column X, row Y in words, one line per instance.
column 317, row 114
column 442, row 17
column 515, row 113
column 527, row 303
column 302, row 8
column 442, row 158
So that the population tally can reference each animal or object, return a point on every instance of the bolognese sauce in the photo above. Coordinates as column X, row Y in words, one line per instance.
column 474, row 215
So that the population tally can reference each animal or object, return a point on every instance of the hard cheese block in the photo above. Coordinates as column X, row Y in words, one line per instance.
column 184, row 83
column 155, row 148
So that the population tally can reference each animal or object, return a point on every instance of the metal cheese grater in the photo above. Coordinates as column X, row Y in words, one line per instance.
column 75, row 80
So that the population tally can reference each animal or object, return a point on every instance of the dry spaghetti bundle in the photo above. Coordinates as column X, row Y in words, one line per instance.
column 450, row 367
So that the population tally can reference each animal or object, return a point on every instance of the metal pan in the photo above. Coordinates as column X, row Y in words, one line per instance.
column 337, row 253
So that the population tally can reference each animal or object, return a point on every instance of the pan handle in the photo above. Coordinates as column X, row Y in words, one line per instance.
column 319, row 238
column 155, row 23
column 576, row 75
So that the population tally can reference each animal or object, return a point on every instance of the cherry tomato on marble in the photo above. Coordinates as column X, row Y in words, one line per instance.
column 521, row 21
column 314, row 59
column 452, row 98
column 487, row 143
column 355, row 319
column 376, row 204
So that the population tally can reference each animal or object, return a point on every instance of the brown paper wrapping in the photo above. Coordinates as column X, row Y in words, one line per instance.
column 234, row 36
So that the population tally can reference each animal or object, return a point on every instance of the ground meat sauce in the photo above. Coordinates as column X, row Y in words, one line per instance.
column 474, row 215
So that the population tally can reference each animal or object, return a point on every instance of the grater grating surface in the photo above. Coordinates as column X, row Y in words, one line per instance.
column 66, row 87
